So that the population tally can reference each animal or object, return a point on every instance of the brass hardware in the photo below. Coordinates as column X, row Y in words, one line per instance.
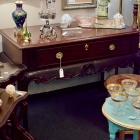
column 86, row 47
column 120, row 6
column 59, row 55
column 112, row 47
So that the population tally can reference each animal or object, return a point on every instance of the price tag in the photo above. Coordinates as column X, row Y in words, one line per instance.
column 61, row 73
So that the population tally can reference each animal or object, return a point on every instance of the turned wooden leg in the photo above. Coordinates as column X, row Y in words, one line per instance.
column 121, row 134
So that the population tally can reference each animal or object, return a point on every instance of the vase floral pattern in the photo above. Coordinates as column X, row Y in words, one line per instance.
column 19, row 15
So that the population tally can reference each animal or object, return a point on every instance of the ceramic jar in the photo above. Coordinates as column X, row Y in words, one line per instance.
column 19, row 16
column 118, row 21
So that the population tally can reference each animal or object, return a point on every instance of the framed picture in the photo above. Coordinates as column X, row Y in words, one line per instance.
column 77, row 4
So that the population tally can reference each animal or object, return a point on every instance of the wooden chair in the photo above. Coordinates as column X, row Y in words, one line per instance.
column 122, row 133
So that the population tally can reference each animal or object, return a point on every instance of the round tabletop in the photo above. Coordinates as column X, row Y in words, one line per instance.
column 123, row 121
column 107, row 109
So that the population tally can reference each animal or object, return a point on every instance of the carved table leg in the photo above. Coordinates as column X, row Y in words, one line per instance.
column 23, row 113
column 20, row 133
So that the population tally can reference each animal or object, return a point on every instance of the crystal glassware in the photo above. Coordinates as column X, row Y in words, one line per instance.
column 119, row 99
column 114, row 88
column 47, row 12
column 85, row 20
column 136, row 106
column 71, row 31
column 129, row 83
column 133, row 94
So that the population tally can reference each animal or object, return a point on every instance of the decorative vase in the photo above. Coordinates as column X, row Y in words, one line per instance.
column 19, row 16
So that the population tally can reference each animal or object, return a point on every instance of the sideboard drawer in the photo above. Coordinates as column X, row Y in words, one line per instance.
column 84, row 51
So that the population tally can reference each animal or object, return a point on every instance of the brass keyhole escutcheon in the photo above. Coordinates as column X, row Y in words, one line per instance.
column 86, row 47
column 112, row 47
column 59, row 55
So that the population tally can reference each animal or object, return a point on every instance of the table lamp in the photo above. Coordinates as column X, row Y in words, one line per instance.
column 47, row 12
column 102, row 9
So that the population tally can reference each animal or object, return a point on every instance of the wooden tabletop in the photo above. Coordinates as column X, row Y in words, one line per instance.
column 8, row 70
column 8, row 104
column 87, row 34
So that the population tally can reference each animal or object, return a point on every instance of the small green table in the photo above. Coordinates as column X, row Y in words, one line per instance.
column 119, row 122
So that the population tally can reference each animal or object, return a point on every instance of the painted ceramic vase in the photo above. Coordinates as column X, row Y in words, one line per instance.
column 19, row 16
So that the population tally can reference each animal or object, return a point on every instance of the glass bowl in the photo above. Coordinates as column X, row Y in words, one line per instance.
column 114, row 88
column 129, row 83
column 136, row 106
column 119, row 99
column 85, row 20
column 132, row 94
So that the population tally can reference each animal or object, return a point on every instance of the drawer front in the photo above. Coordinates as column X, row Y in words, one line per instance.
column 84, row 51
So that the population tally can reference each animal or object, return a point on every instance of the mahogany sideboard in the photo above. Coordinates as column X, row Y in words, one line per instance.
column 93, row 51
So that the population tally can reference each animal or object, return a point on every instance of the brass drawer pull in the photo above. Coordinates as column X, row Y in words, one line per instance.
column 86, row 47
column 112, row 47
column 59, row 55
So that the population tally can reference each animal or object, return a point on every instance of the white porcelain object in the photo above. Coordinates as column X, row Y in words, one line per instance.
column 65, row 21
column 10, row 89
column 118, row 21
